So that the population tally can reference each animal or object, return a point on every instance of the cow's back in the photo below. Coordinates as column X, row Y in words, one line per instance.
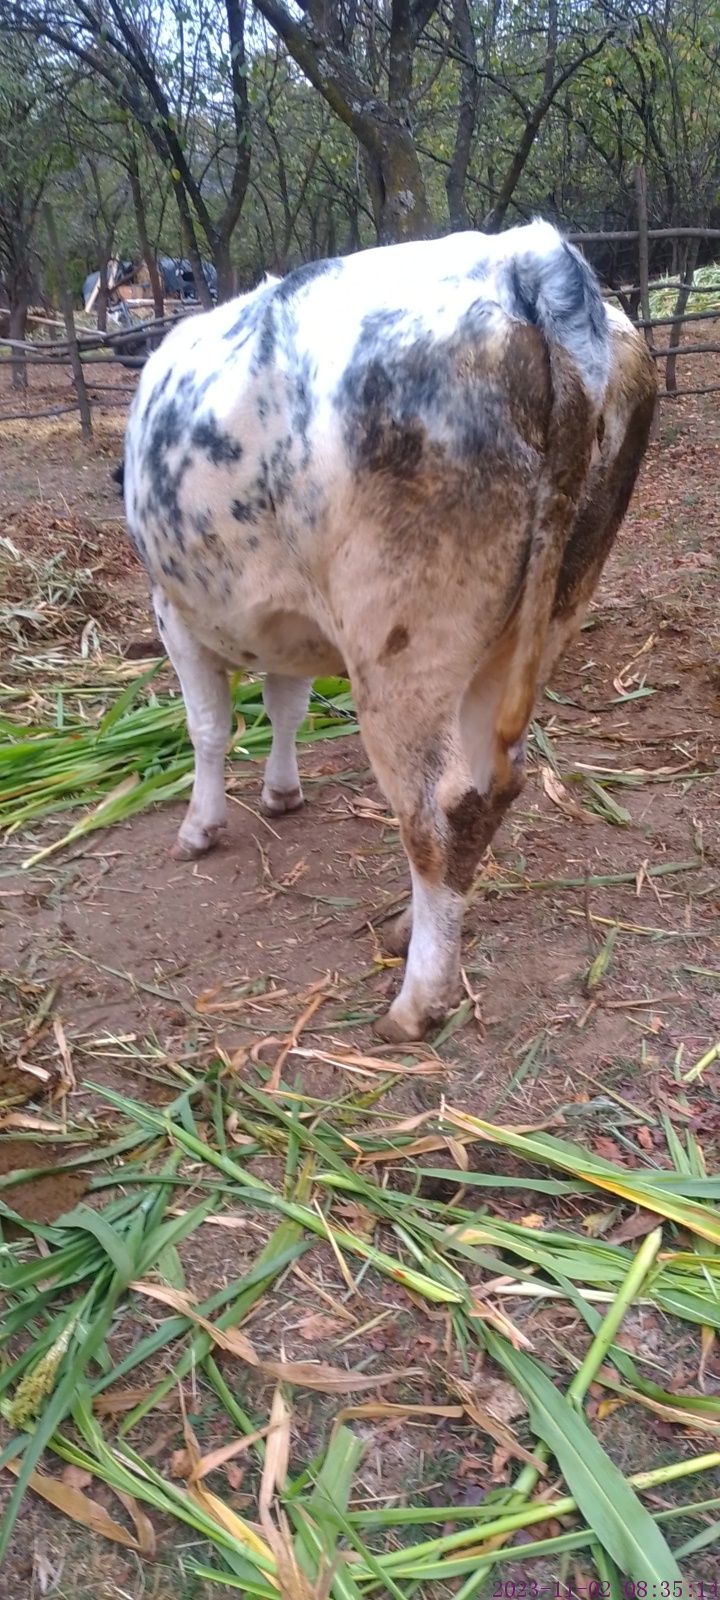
column 400, row 397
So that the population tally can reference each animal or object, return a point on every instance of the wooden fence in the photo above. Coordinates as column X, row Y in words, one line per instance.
column 85, row 351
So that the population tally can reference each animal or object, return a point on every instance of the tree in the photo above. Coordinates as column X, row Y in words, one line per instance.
column 318, row 126
column 182, row 78
column 114, row 177
column 380, row 116
column 29, row 152
column 147, row 249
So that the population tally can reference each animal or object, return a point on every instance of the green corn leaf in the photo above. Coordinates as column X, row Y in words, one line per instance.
column 619, row 1520
column 127, row 698
column 315, row 1545
column 95, row 1223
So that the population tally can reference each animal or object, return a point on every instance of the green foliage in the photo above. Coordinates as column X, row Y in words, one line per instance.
column 599, row 88
column 32, row 150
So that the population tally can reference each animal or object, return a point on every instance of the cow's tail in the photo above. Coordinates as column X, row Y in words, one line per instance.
column 554, row 288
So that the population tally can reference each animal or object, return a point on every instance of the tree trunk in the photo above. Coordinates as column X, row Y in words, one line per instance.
column 141, row 224
column 467, row 114
column 381, row 128
column 400, row 59
column 497, row 214
column 331, row 246
column 69, row 320
column 404, row 209
column 314, row 251
column 353, row 235
column 192, row 249
column 687, row 260
column 101, row 303
column 226, row 283
column 643, row 247
column 535, row 117
column 17, row 330
column 156, row 284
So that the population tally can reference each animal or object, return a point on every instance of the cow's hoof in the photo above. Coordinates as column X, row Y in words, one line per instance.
column 276, row 802
column 395, row 936
column 193, row 844
column 401, row 1027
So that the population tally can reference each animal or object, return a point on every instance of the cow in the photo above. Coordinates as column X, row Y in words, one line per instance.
column 408, row 466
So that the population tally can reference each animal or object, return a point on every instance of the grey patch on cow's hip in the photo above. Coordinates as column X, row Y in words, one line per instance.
column 207, row 435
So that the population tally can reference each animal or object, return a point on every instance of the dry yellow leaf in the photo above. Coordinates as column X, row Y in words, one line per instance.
column 225, row 1452
column 556, row 791
column 78, row 1506
column 277, row 1454
column 228, row 1519
column 145, row 1531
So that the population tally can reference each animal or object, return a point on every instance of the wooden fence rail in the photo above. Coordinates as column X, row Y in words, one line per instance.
column 632, row 235
column 688, row 316
column 33, row 358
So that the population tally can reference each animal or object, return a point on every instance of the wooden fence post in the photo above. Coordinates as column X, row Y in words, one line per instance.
column 67, row 311
column 643, row 246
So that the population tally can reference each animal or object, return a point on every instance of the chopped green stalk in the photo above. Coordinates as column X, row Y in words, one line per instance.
column 614, row 1316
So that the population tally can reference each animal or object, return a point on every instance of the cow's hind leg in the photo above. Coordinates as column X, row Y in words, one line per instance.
column 449, row 776
column 206, row 693
column 286, row 702
column 460, row 808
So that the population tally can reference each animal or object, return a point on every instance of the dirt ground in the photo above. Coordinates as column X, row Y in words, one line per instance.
column 133, row 938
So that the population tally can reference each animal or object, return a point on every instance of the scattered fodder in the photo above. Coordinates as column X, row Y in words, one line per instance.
column 138, row 754
column 662, row 299
column 53, row 581
column 67, row 1286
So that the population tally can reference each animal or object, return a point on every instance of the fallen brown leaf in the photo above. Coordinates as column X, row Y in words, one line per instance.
column 228, row 1519
column 112, row 1401
column 306, row 1374
column 29, row 1124
column 292, row 1582
column 147, row 1543
column 319, row 1325
column 180, row 1464
column 608, row 1149
column 78, row 1506
column 635, row 1227
column 556, row 791
column 225, row 1452
column 498, row 1319
column 484, row 1414
column 353, row 1061
column 376, row 1409
column 499, row 1464
column 67, row 1080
